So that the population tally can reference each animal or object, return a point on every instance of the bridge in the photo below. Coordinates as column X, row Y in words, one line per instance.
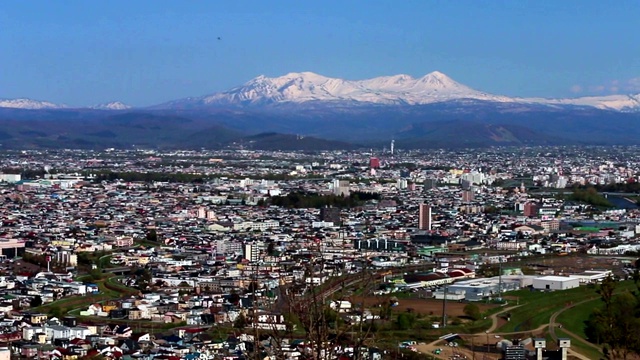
column 119, row 271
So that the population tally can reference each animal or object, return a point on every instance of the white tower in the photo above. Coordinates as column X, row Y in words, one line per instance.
column 564, row 345
column 392, row 146
column 539, row 345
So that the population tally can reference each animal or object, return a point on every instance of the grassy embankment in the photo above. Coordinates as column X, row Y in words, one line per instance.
column 537, row 306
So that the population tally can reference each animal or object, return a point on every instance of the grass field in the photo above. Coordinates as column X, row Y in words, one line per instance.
column 580, row 346
column 76, row 302
column 573, row 319
column 537, row 307
column 72, row 302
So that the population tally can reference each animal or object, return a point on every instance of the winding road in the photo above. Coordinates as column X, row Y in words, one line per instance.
column 428, row 348
column 553, row 325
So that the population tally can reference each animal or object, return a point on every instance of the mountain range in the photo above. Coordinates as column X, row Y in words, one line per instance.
column 327, row 113
column 308, row 87
column 435, row 87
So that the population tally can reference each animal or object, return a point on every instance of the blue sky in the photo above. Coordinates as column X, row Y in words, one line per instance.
column 146, row 52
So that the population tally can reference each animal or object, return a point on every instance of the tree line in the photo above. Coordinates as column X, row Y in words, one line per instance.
column 590, row 196
column 627, row 187
column 150, row 177
column 306, row 200
column 616, row 323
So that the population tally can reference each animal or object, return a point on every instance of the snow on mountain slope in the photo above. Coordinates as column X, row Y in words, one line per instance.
column 308, row 86
column 114, row 105
column 610, row 102
column 28, row 104
column 434, row 87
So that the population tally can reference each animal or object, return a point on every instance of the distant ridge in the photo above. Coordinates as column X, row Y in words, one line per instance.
column 29, row 104
column 311, row 89
column 115, row 105
column 435, row 87
column 289, row 142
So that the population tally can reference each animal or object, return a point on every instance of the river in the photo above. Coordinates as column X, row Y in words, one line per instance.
column 620, row 202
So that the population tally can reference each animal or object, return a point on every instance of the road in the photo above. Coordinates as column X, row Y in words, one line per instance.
column 428, row 348
column 553, row 325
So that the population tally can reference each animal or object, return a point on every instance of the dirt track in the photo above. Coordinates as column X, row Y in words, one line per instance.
column 421, row 306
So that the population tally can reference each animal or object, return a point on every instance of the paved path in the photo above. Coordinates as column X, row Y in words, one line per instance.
column 553, row 325
column 428, row 348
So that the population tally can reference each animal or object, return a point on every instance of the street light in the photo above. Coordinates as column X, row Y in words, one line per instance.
column 487, row 333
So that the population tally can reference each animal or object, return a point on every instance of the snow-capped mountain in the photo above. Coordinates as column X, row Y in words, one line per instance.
column 308, row 86
column 114, row 105
column 29, row 104
column 435, row 87
column 609, row 102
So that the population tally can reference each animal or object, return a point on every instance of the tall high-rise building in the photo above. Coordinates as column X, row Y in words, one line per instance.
column 530, row 209
column 424, row 219
column 330, row 214
column 401, row 184
column 341, row 187
column 430, row 184
column 374, row 163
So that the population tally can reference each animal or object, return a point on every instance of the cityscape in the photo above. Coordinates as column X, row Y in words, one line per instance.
column 224, row 254
column 300, row 180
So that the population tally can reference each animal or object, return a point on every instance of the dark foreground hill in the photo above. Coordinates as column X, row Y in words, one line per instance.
column 319, row 126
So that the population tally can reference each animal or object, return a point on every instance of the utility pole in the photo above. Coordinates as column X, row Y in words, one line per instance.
column 473, row 347
column 487, row 332
column 444, row 307
column 500, row 280
column 256, row 333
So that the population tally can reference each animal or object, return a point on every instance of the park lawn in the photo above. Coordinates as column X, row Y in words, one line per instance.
column 75, row 302
column 478, row 326
column 580, row 345
column 537, row 306
column 119, row 289
column 72, row 302
column 104, row 262
column 573, row 319
column 147, row 243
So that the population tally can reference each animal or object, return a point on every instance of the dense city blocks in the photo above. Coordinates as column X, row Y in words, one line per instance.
column 445, row 253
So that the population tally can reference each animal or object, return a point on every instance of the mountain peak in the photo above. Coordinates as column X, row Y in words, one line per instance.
column 114, row 105
column 438, row 74
column 438, row 79
column 24, row 103
column 306, row 86
column 304, row 74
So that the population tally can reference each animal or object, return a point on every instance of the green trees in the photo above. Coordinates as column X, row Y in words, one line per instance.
column 472, row 311
column 149, row 177
column 96, row 274
column 405, row 321
column 57, row 312
column 305, row 200
column 241, row 322
column 616, row 324
column 143, row 278
column 590, row 196
column 152, row 235
column 35, row 301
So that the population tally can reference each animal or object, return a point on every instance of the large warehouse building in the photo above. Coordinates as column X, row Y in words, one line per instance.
column 555, row 283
